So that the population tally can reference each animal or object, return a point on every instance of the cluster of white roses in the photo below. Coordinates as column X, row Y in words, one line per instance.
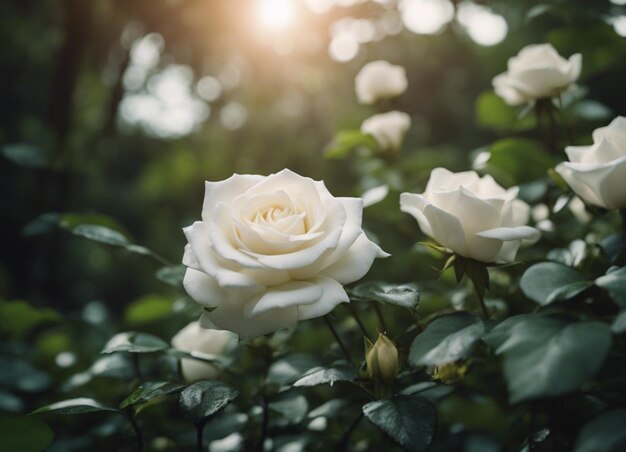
column 273, row 250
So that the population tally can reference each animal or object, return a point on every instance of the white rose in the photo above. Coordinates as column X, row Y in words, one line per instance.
column 472, row 216
column 597, row 173
column 537, row 71
column 388, row 129
column 273, row 250
column 380, row 80
column 194, row 338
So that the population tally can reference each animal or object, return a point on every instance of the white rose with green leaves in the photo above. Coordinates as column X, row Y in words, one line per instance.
column 597, row 173
column 380, row 80
column 471, row 216
column 273, row 250
column 388, row 129
column 194, row 338
column 536, row 72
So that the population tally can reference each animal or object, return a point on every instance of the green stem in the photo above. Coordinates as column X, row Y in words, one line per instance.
column 381, row 320
column 343, row 442
column 136, row 429
column 264, row 423
column 200, row 436
column 337, row 338
column 483, row 306
column 357, row 319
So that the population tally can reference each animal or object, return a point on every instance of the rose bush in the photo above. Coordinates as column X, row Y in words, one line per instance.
column 388, row 129
column 597, row 172
column 536, row 72
column 380, row 80
column 273, row 250
column 472, row 216
column 194, row 338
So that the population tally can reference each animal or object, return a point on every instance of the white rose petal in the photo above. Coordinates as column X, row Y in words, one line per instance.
column 380, row 80
column 375, row 195
column 388, row 129
column 538, row 71
column 194, row 338
column 472, row 216
column 597, row 172
column 273, row 250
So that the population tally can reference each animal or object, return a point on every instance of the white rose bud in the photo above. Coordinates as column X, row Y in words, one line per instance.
column 273, row 250
column 472, row 216
column 388, row 129
column 536, row 72
column 597, row 173
column 381, row 358
column 194, row 338
column 380, row 80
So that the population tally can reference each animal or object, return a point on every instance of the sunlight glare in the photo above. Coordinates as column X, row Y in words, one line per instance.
column 277, row 14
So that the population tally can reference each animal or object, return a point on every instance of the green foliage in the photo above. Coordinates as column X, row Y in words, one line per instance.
column 614, row 282
column 80, row 405
column 149, row 391
column 446, row 339
column 494, row 113
column 404, row 295
column 548, row 282
column 26, row 155
column 147, row 309
column 24, row 433
column 133, row 342
column 603, row 434
column 18, row 318
column 408, row 420
column 321, row 375
column 545, row 356
column 347, row 141
column 202, row 400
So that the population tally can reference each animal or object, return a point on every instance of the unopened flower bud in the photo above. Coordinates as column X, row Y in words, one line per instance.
column 381, row 358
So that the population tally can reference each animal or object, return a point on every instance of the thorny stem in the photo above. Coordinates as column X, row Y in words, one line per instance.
column 337, row 338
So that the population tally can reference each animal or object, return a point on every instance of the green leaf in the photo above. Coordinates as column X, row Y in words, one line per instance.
column 79, row 405
column 24, row 154
column 148, row 309
column 405, row 295
column 205, row 398
column 619, row 324
column 514, row 161
column 614, row 282
column 292, row 407
column 605, row 433
column 149, row 391
column 133, row 342
column 16, row 372
column 590, row 110
column 492, row 112
column 446, row 339
column 346, row 141
column 18, row 318
column 545, row 356
column 100, row 234
column 172, row 275
column 321, row 375
column 408, row 420
column 548, row 282
column 24, row 434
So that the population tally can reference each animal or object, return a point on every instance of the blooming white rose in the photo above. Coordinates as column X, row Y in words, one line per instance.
column 380, row 80
column 597, row 173
column 537, row 71
column 273, row 250
column 388, row 129
column 472, row 216
column 194, row 338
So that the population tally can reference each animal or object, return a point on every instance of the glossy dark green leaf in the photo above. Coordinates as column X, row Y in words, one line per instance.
column 133, row 342
column 79, row 405
column 292, row 407
column 405, row 295
column 614, row 283
column 548, row 282
column 330, row 375
column 446, row 339
column 606, row 433
column 619, row 324
column 409, row 420
column 348, row 140
column 24, row 154
column 100, row 234
column 290, row 368
column 149, row 391
column 205, row 398
column 546, row 356
column 24, row 434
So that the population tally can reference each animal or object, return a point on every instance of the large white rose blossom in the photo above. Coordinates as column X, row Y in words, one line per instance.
column 536, row 72
column 472, row 216
column 597, row 173
column 194, row 338
column 380, row 80
column 388, row 129
column 272, row 250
